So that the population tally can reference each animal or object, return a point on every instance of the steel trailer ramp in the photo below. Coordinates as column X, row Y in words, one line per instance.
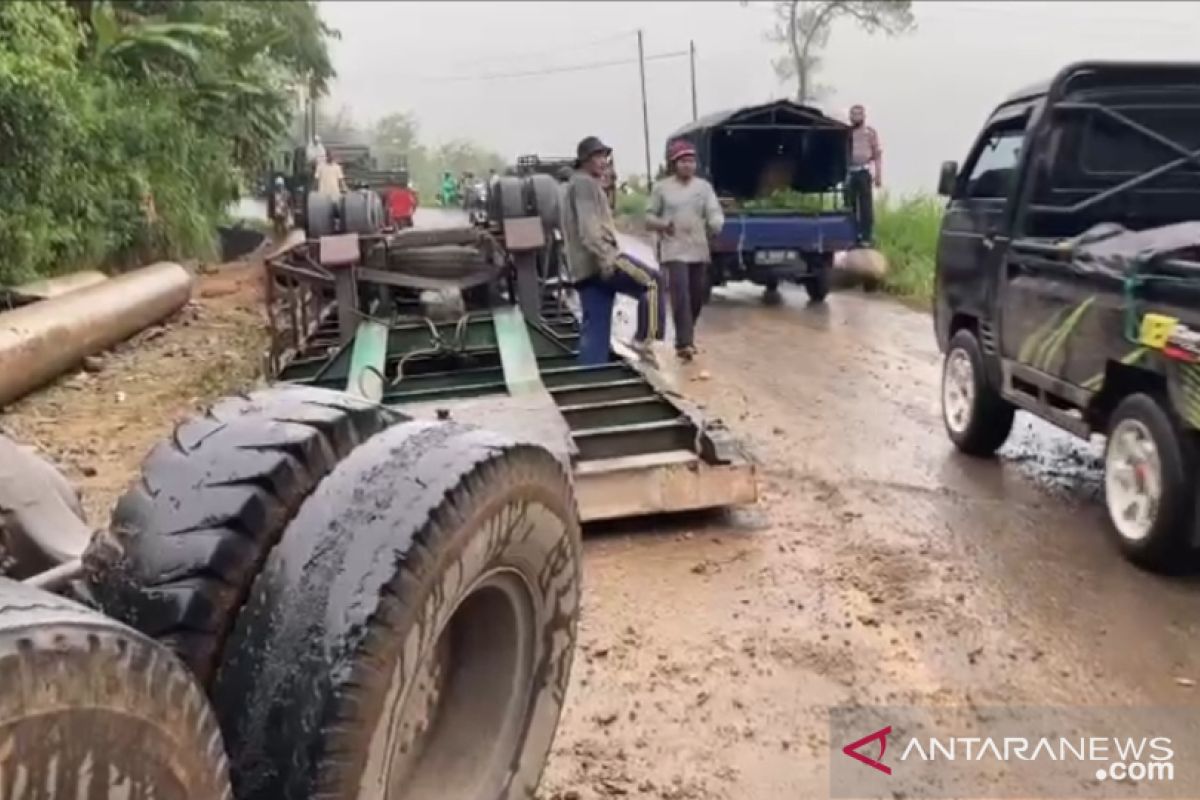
column 634, row 447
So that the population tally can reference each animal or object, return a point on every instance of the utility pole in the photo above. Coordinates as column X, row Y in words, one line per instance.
column 645, row 108
column 692, row 59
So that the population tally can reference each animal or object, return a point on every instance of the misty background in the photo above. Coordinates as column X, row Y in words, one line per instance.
column 469, row 70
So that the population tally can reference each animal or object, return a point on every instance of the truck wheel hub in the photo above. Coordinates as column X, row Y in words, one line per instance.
column 454, row 732
column 1132, row 479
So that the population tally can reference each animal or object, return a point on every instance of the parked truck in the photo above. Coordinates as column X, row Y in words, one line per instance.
column 375, row 198
column 1068, row 286
column 785, row 150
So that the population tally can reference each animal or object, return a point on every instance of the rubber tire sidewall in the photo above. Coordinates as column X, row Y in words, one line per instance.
column 320, row 211
column 366, row 582
column 79, row 687
column 1170, row 536
column 991, row 415
column 465, row 557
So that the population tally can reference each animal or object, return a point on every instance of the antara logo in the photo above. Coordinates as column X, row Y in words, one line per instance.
column 875, row 763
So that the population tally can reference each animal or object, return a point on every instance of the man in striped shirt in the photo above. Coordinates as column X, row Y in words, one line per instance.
column 866, row 173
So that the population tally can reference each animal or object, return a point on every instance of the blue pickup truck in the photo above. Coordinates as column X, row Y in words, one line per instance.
column 754, row 151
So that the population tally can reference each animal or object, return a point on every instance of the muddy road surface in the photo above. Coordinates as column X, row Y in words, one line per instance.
column 880, row 568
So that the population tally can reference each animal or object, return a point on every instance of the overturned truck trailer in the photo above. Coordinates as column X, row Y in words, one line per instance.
column 445, row 324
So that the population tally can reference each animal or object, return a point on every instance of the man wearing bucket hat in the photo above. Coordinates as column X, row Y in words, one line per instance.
column 598, row 268
column 685, row 213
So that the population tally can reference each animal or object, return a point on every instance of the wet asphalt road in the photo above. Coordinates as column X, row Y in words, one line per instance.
column 881, row 567
column 437, row 217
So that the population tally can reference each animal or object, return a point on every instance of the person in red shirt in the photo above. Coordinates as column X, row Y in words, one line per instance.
column 401, row 205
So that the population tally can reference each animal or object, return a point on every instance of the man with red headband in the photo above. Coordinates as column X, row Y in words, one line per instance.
column 685, row 213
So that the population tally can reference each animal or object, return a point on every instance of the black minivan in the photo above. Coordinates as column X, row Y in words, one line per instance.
column 1068, row 285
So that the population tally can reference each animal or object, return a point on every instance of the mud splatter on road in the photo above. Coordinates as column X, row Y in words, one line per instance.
column 880, row 567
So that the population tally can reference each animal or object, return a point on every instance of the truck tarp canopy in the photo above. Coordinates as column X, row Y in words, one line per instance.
column 1118, row 251
column 752, row 151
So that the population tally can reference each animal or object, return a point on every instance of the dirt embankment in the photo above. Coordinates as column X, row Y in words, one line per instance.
column 98, row 423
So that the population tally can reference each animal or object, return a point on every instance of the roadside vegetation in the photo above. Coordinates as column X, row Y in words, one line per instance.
column 906, row 231
column 129, row 126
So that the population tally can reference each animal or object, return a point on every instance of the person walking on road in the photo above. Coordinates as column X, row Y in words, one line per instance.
column 685, row 213
column 331, row 181
column 280, row 207
column 596, row 264
column 866, row 173
column 449, row 192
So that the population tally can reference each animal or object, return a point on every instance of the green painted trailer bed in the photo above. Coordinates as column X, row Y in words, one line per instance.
column 634, row 446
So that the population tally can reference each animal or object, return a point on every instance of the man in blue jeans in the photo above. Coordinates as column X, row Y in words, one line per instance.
column 598, row 268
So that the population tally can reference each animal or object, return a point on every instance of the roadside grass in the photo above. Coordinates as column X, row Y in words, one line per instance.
column 633, row 205
column 906, row 232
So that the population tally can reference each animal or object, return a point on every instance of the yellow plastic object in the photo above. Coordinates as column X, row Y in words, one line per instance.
column 1156, row 329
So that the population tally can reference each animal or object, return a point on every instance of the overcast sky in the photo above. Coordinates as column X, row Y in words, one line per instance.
column 453, row 65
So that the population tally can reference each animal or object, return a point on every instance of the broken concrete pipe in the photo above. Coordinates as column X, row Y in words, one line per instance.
column 47, row 288
column 41, row 341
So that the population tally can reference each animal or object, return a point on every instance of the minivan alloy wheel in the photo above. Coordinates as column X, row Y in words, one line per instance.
column 958, row 390
column 1133, row 479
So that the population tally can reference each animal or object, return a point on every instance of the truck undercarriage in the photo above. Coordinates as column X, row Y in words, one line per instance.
column 363, row 580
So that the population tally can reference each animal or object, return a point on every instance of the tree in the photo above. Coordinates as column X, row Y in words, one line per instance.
column 393, row 140
column 804, row 26
column 129, row 124
column 339, row 127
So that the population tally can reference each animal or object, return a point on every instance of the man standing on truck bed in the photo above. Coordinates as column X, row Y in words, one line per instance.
column 331, row 181
column 866, row 172
column 597, row 266
column 684, row 211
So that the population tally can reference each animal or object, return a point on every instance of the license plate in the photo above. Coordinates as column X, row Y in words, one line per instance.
column 775, row 256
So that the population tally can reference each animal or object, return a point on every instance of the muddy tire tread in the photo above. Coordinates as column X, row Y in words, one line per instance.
column 99, row 664
column 187, row 540
column 454, row 468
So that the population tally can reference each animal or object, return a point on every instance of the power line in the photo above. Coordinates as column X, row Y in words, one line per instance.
column 573, row 48
column 551, row 70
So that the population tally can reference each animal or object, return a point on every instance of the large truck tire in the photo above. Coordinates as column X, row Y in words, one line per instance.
column 187, row 539
column 447, row 263
column 548, row 193
column 319, row 215
column 463, row 236
column 362, row 212
column 412, row 634
column 92, row 709
column 510, row 192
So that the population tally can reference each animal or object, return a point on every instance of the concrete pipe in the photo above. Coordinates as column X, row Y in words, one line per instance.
column 41, row 341
column 56, row 286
